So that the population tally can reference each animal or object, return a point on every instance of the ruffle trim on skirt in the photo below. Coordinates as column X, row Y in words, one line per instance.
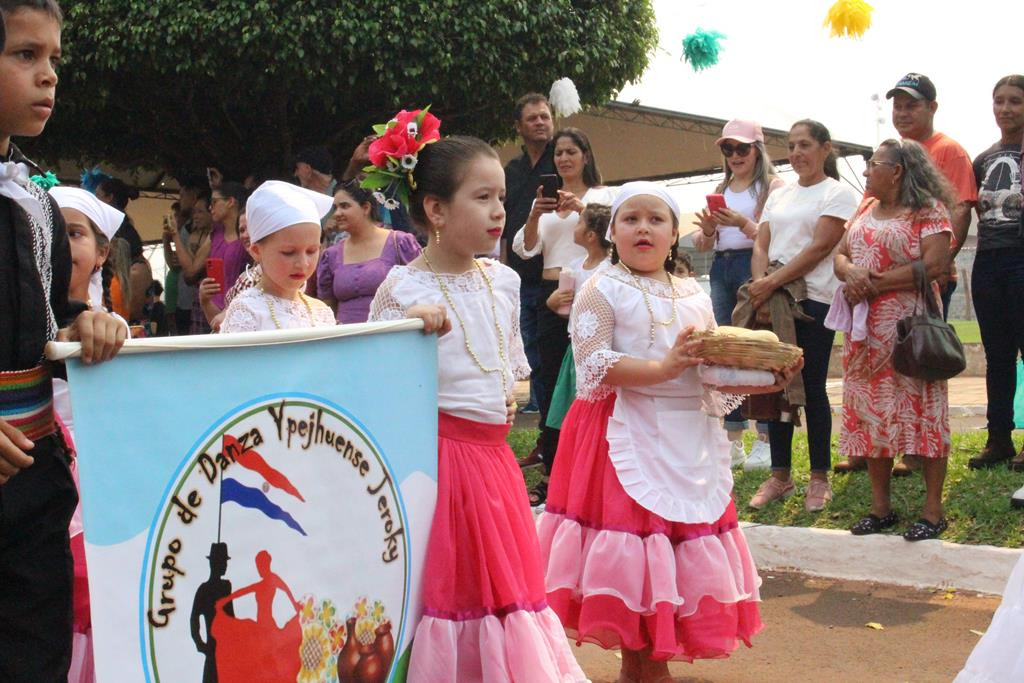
column 695, row 598
column 523, row 646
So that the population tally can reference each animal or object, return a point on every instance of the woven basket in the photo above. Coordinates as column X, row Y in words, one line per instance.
column 746, row 353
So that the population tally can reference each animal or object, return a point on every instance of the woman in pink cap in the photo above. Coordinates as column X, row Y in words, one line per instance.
column 749, row 178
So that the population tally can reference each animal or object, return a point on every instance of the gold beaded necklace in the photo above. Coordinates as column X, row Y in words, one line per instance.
column 462, row 325
column 273, row 314
column 647, row 300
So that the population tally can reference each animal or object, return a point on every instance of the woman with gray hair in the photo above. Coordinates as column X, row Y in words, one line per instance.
column 903, row 219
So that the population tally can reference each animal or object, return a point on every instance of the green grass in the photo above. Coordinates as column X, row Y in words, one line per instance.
column 976, row 501
column 967, row 330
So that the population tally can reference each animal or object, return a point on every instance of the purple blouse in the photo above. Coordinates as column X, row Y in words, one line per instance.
column 353, row 286
column 236, row 258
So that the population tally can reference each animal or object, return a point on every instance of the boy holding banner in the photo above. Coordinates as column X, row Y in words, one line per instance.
column 37, row 494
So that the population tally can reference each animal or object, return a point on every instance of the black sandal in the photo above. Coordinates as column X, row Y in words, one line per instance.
column 873, row 524
column 923, row 530
column 538, row 494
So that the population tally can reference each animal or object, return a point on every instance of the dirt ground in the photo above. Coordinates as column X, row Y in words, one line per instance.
column 815, row 631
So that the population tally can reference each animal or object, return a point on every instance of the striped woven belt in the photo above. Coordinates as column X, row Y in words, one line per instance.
column 26, row 401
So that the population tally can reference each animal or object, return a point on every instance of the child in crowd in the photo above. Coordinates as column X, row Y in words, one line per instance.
column 684, row 266
column 284, row 229
column 639, row 533
column 485, row 615
column 37, row 492
column 590, row 233
column 91, row 225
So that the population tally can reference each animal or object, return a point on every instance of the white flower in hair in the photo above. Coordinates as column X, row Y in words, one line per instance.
column 391, row 204
column 379, row 197
column 412, row 129
column 409, row 161
column 564, row 97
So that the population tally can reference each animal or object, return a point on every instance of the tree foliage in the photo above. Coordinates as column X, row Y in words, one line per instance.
column 181, row 84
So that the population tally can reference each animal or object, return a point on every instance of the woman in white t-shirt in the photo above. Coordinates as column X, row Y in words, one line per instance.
column 749, row 178
column 548, row 234
column 801, row 225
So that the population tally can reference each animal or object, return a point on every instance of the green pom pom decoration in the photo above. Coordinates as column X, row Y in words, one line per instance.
column 45, row 181
column 701, row 48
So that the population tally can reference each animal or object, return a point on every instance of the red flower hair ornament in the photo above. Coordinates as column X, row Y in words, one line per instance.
column 393, row 155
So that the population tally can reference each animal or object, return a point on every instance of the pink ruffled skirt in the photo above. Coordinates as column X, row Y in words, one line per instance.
column 485, row 615
column 622, row 577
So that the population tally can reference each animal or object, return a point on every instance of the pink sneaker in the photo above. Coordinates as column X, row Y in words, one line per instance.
column 772, row 489
column 819, row 494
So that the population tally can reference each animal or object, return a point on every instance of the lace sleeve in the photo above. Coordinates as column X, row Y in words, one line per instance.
column 517, row 354
column 385, row 306
column 593, row 326
column 240, row 317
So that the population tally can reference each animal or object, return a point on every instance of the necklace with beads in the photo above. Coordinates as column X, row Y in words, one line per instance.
column 647, row 301
column 462, row 325
column 273, row 314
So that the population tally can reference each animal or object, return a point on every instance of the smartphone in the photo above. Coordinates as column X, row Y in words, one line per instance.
column 215, row 269
column 549, row 183
column 716, row 202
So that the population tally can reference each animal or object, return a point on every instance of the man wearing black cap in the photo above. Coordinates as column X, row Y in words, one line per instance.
column 313, row 169
column 204, row 607
column 913, row 114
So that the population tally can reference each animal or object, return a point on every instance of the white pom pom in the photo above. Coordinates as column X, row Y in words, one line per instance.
column 564, row 98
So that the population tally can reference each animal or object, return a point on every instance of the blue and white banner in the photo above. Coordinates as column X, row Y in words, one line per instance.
column 257, row 506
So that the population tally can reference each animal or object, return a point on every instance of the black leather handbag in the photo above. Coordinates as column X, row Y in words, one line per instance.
column 927, row 346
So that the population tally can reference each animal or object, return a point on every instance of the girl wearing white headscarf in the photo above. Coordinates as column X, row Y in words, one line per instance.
column 284, row 229
column 91, row 224
column 639, row 533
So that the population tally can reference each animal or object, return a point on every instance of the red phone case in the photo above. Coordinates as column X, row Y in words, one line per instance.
column 215, row 269
column 716, row 202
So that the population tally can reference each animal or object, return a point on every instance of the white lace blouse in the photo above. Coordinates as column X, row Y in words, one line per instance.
column 464, row 390
column 253, row 310
column 610, row 319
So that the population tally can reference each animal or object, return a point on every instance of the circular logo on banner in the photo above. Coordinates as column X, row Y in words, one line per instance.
column 278, row 554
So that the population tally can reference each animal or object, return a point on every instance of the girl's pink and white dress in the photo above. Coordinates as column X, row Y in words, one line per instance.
column 639, row 534
column 485, row 615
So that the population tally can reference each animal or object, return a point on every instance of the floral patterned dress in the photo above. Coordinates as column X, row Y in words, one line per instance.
column 886, row 414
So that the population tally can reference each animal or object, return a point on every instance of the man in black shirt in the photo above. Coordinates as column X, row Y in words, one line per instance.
column 536, row 127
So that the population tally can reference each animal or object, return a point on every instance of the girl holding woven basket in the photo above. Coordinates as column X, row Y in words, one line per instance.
column 639, row 533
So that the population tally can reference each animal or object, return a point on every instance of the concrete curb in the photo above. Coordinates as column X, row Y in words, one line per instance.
column 881, row 557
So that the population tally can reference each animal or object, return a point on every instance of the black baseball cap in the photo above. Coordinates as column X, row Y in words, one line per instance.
column 317, row 157
column 918, row 86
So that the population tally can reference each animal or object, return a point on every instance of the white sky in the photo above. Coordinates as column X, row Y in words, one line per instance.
column 779, row 65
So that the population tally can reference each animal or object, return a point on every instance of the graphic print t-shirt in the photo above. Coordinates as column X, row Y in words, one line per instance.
column 997, row 172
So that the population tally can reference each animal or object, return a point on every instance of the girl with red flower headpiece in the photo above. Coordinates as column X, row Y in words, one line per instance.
column 485, row 614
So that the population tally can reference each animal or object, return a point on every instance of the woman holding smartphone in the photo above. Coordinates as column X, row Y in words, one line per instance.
column 801, row 225
column 730, row 230
column 548, row 234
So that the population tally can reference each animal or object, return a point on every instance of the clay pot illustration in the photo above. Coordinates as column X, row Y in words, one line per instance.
column 348, row 658
column 371, row 667
column 385, row 643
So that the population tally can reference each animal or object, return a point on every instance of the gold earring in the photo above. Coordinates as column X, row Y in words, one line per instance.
column 437, row 236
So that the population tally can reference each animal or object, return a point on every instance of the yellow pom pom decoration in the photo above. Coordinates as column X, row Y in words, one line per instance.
column 849, row 18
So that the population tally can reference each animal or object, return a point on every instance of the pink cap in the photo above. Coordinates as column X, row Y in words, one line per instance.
column 741, row 131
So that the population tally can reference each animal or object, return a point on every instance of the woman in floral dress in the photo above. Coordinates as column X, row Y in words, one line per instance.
column 902, row 219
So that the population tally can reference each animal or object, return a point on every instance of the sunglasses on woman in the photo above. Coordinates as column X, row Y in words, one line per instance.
column 742, row 149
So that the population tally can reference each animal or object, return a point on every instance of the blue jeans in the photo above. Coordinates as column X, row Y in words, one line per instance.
column 997, row 288
column 816, row 341
column 529, row 310
column 947, row 296
column 729, row 270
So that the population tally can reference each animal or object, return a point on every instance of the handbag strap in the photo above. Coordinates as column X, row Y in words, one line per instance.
column 924, row 291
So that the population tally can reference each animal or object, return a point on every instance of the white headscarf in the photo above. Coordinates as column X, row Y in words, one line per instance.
column 634, row 189
column 104, row 216
column 276, row 205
